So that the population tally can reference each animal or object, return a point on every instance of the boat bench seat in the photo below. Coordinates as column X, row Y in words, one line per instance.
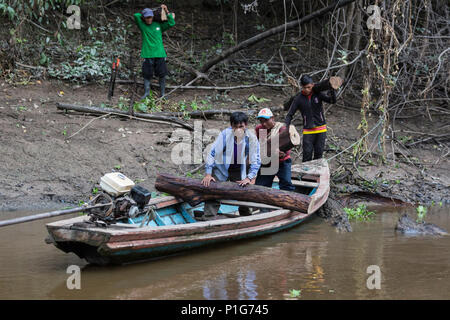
column 301, row 183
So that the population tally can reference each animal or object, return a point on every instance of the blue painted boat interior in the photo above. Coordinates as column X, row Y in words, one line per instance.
column 182, row 213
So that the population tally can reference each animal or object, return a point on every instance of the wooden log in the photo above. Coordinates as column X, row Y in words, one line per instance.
column 97, row 110
column 287, row 139
column 193, row 192
column 327, row 84
column 204, row 113
column 187, row 87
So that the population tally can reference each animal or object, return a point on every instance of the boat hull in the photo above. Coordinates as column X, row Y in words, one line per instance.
column 175, row 230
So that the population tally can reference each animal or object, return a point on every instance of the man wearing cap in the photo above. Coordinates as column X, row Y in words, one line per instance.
column 153, row 51
column 267, row 129
column 309, row 103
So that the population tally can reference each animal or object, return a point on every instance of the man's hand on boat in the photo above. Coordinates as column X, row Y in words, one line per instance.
column 207, row 180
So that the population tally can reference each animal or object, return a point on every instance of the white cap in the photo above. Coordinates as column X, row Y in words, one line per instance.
column 265, row 113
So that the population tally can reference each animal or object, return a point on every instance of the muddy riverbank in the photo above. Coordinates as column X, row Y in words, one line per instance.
column 52, row 159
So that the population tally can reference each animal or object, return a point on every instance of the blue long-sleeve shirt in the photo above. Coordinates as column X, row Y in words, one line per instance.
column 221, row 155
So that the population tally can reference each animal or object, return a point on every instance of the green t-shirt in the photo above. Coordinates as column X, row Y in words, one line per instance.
column 152, row 43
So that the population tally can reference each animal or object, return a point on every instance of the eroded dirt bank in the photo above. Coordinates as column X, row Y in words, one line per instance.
column 41, row 167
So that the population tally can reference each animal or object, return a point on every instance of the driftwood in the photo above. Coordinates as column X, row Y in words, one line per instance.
column 145, row 116
column 193, row 192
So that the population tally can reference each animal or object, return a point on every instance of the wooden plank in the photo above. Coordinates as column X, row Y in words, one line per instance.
column 199, row 227
column 248, row 204
column 300, row 183
column 183, row 239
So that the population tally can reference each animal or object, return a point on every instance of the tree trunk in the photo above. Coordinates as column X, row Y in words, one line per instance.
column 271, row 32
column 193, row 192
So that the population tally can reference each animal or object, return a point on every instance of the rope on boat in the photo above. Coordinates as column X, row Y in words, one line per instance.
column 150, row 215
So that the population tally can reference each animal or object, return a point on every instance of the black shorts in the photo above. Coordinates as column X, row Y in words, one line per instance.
column 154, row 66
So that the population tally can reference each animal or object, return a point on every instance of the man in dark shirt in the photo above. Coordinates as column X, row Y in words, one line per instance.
column 309, row 103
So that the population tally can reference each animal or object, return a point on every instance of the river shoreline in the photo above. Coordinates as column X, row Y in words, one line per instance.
column 53, row 159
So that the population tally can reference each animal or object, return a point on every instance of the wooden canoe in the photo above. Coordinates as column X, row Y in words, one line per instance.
column 175, row 229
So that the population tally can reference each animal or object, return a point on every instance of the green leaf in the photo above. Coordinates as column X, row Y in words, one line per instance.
column 295, row 293
column 11, row 13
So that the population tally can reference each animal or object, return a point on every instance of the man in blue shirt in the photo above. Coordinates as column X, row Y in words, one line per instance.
column 232, row 150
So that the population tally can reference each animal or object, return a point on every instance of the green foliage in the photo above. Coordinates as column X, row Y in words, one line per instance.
column 421, row 214
column 123, row 103
column 90, row 64
column 255, row 99
column 149, row 104
column 295, row 293
column 262, row 68
column 33, row 9
column 360, row 213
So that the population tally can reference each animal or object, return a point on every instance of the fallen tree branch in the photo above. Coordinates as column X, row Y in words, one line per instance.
column 141, row 116
column 198, row 74
column 244, row 86
column 87, row 124
column 203, row 113
column 282, row 28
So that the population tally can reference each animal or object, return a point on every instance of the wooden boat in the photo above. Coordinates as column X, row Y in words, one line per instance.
column 175, row 229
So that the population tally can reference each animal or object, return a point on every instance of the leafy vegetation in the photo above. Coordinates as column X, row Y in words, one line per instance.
column 421, row 214
column 295, row 293
column 360, row 213
column 254, row 99
column 90, row 64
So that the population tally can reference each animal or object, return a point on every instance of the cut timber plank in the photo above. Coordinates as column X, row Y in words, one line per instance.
column 248, row 204
column 301, row 183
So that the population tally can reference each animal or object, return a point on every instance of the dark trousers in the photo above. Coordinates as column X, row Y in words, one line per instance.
column 283, row 174
column 313, row 143
column 212, row 207
column 158, row 67
column 154, row 66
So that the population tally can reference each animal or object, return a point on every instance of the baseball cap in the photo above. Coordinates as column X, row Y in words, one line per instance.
column 147, row 13
column 265, row 113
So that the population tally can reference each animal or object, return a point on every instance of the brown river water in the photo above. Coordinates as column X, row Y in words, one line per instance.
column 311, row 257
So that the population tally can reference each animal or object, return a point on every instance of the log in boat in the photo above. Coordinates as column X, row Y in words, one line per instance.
column 174, row 228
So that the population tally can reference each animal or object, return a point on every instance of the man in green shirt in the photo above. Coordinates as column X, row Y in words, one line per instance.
column 153, row 51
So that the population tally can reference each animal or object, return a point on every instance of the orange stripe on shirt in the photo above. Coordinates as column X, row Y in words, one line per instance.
column 314, row 130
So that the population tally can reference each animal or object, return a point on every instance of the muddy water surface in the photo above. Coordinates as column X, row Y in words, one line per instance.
column 311, row 257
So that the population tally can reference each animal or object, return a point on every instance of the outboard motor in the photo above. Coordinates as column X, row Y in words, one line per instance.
column 127, row 200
